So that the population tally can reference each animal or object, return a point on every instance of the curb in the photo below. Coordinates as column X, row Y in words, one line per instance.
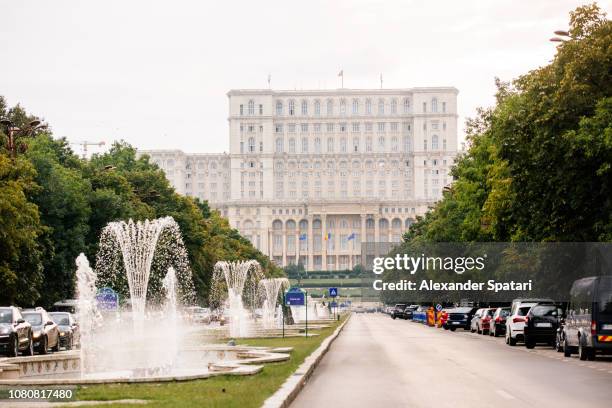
column 290, row 389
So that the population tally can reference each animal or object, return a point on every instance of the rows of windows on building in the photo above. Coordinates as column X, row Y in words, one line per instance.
column 314, row 178
column 343, row 106
column 311, row 142
column 381, row 178
column 207, row 178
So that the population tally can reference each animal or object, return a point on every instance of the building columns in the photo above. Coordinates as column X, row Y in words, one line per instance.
column 284, row 245
column 310, row 243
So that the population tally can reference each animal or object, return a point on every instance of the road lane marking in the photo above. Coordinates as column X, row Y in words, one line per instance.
column 504, row 394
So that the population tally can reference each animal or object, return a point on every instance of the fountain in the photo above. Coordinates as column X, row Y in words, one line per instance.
column 143, row 250
column 146, row 264
column 169, row 283
column 86, row 309
column 137, row 242
column 270, row 289
column 238, row 281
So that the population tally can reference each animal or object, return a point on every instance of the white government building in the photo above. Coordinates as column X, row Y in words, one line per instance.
column 310, row 175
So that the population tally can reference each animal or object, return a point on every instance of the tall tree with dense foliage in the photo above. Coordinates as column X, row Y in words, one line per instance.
column 21, row 270
column 539, row 163
column 63, row 203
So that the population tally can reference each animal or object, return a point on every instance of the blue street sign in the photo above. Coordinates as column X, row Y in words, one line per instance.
column 107, row 299
column 333, row 292
column 439, row 307
column 294, row 297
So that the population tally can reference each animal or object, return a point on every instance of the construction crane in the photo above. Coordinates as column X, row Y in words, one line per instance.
column 85, row 143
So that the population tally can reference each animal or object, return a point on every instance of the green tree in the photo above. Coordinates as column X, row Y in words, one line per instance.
column 20, row 230
column 538, row 163
column 63, row 202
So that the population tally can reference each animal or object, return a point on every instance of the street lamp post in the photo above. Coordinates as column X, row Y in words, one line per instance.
column 13, row 132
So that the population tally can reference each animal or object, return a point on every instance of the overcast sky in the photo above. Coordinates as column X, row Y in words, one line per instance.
column 155, row 73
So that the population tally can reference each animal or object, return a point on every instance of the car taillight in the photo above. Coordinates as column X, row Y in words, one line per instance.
column 486, row 319
column 593, row 328
column 518, row 319
column 497, row 319
column 526, row 319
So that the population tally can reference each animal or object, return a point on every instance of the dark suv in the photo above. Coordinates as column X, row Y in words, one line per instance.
column 541, row 324
column 398, row 311
column 15, row 332
column 588, row 325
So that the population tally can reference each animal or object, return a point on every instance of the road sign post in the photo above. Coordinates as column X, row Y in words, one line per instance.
column 297, row 297
column 333, row 293
column 306, row 293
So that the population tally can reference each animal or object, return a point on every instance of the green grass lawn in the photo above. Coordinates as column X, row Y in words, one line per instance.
column 223, row 391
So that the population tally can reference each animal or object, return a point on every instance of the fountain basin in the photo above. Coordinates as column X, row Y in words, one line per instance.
column 204, row 362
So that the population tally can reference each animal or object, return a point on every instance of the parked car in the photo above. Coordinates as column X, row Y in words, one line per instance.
column 204, row 315
column 515, row 321
column 46, row 332
column 398, row 311
column 484, row 325
column 588, row 325
column 476, row 319
column 409, row 311
column 498, row 321
column 223, row 317
column 70, row 335
column 15, row 333
column 541, row 324
column 460, row 317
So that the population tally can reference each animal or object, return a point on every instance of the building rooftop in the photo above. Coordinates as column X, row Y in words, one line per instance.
column 343, row 91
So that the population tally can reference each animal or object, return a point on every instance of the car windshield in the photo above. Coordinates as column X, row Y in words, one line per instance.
column 604, row 295
column 35, row 319
column 6, row 316
column 548, row 310
column 490, row 312
column 522, row 311
column 60, row 319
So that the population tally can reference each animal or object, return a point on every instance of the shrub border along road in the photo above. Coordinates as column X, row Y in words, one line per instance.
column 290, row 389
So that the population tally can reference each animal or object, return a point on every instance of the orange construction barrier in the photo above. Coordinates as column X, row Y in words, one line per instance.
column 431, row 317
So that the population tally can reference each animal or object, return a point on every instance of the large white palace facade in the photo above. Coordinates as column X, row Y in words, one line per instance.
column 310, row 175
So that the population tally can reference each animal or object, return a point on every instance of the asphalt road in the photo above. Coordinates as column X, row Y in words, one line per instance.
column 380, row 362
